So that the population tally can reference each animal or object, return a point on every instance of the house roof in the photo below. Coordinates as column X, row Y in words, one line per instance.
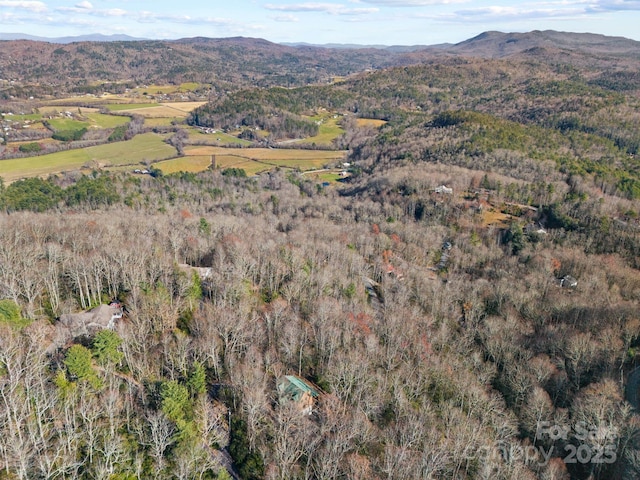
column 296, row 387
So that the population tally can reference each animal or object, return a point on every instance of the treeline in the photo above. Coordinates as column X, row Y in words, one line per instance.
column 40, row 195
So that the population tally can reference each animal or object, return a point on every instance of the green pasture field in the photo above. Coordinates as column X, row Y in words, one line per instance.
column 49, row 109
column 324, row 176
column 157, row 89
column 22, row 118
column 95, row 120
column 160, row 121
column 68, row 124
column 107, row 121
column 62, row 102
column 329, row 130
column 147, row 147
column 163, row 89
column 196, row 136
column 189, row 87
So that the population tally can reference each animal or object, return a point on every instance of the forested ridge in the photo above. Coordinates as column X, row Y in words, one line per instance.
column 473, row 331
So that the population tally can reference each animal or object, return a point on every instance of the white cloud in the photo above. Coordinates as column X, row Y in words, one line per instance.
column 84, row 5
column 83, row 9
column 31, row 5
column 331, row 8
column 412, row 3
column 286, row 18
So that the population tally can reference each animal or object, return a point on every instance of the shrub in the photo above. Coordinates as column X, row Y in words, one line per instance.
column 69, row 135
column 30, row 147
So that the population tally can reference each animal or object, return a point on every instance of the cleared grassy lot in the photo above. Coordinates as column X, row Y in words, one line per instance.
column 328, row 130
column 330, row 177
column 147, row 147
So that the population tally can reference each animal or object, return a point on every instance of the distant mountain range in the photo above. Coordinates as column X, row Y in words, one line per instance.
column 96, row 37
column 490, row 44
column 235, row 62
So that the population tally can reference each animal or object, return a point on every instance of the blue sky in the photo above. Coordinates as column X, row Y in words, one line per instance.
column 388, row 22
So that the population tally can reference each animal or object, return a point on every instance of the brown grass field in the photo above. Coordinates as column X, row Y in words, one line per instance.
column 184, row 106
column 194, row 164
column 370, row 122
column 270, row 155
column 175, row 109
column 252, row 160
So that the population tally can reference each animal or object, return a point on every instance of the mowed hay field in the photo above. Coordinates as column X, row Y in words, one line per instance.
column 93, row 120
column 328, row 131
column 175, row 109
column 254, row 160
column 193, row 164
column 370, row 122
column 147, row 147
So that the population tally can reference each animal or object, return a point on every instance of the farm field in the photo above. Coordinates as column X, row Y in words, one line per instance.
column 370, row 122
column 214, row 139
column 252, row 160
column 292, row 158
column 330, row 177
column 329, row 130
column 174, row 109
column 119, row 107
column 147, row 147
column 160, row 121
column 21, row 118
column 106, row 121
column 193, row 164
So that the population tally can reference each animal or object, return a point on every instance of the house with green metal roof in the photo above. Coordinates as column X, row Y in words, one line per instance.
column 292, row 388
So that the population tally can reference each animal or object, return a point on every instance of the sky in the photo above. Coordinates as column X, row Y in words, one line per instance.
column 364, row 22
